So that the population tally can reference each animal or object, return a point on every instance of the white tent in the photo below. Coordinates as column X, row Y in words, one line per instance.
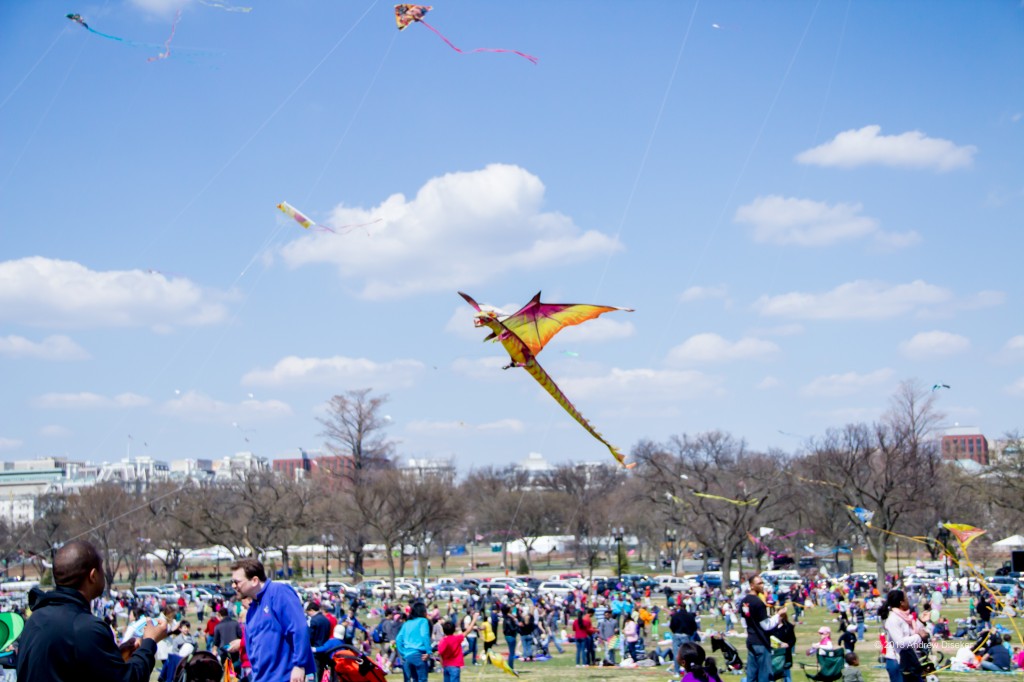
column 1012, row 542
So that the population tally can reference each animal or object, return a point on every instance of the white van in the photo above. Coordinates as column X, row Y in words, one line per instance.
column 673, row 583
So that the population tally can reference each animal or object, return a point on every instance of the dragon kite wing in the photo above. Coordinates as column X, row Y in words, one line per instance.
column 537, row 322
column 499, row 662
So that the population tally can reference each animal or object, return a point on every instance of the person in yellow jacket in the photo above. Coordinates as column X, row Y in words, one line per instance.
column 487, row 632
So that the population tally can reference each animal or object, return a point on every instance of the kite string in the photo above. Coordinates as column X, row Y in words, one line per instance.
column 742, row 171
column 260, row 128
column 267, row 240
column 15, row 89
column 650, row 144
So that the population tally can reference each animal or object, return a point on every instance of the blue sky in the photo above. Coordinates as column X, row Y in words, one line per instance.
column 804, row 202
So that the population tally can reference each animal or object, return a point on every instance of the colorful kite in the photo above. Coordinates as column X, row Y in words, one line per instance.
column 407, row 14
column 77, row 18
column 963, row 533
column 525, row 333
column 740, row 503
column 299, row 217
column 861, row 513
column 499, row 662
column 938, row 386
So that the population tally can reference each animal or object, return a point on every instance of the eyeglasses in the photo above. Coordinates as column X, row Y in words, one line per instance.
column 236, row 582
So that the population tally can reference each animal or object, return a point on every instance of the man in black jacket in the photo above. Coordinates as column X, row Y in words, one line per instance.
column 683, row 626
column 63, row 641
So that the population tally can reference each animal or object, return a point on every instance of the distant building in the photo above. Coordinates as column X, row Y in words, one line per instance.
column 965, row 443
column 443, row 469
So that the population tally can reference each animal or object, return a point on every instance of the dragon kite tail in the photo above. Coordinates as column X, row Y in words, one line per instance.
column 545, row 380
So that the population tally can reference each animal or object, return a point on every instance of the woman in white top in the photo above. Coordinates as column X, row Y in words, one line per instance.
column 902, row 631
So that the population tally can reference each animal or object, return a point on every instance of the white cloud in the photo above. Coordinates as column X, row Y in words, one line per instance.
column 804, row 222
column 335, row 371
column 56, row 347
column 54, row 431
column 1016, row 388
column 460, row 230
column 836, row 385
column 482, row 368
column 861, row 299
column 426, row 426
column 198, row 407
column 934, row 344
column 699, row 293
column 1015, row 344
column 767, row 383
column 9, row 443
column 89, row 401
column 513, row 425
column 44, row 292
column 913, row 149
column 709, row 347
column 160, row 7
column 644, row 385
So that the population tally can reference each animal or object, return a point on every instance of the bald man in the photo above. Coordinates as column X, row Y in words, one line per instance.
column 63, row 641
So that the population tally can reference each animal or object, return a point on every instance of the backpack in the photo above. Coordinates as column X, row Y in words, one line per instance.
column 378, row 633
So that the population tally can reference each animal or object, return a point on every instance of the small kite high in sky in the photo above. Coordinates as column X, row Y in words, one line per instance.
column 938, row 386
column 299, row 217
column 525, row 333
column 407, row 14
column 77, row 18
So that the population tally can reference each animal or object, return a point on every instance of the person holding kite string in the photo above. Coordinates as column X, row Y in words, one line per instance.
column 64, row 642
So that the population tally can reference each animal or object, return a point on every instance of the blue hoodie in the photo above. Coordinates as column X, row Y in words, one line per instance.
column 413, row 638
column 276, row 635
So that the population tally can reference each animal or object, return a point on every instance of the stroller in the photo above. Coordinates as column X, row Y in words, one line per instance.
column 829, row 665
column 349, row 664
column 733, row 662
column 201, row 666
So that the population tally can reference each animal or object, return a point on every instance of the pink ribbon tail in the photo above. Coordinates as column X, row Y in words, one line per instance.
column 479, row 49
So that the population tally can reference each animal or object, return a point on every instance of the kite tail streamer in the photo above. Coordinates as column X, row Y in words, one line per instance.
column 545, row 380
column 167, row 45
column 479, row 49
column 105, row 35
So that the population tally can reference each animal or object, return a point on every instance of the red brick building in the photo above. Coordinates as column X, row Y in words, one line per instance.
column 965, row 442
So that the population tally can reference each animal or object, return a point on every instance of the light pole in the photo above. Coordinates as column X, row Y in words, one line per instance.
column 619, row 532
column 670, row 538
column 328, row 540
column 942, row 535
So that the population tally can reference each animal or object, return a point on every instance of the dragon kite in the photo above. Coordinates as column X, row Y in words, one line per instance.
column 525, row 333
column 408, row 14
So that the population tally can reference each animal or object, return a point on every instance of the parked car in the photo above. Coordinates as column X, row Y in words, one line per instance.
column 143, row 591
column 366, row 587
column 668, row 584
column 555, row 588
column 403, row 590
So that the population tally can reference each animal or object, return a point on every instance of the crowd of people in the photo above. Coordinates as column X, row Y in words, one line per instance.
column 266, row 634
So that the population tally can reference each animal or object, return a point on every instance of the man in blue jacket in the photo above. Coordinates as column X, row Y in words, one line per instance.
column 63, row 641
column 276, row 635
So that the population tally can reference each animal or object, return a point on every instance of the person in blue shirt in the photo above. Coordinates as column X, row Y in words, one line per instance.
column 276, row 634
column 413, row 642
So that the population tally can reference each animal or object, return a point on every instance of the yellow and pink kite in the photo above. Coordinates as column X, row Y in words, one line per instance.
column 525, row 333
column 408, row 14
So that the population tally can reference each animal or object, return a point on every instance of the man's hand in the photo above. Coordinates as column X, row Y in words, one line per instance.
column 157, row 632
column 234, row 646
column 298, row 674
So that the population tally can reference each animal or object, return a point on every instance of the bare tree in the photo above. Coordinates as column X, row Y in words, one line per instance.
column 886, row 468
column 355, row 431
column 720, row 488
